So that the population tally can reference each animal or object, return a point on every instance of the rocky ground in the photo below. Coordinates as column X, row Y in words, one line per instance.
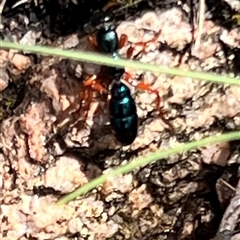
column 50, row 146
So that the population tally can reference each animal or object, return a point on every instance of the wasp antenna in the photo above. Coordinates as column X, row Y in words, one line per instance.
column 110, row 5
column 126, row 6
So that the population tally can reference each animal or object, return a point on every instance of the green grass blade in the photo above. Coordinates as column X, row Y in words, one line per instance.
column 142, row 161
column 108, row 61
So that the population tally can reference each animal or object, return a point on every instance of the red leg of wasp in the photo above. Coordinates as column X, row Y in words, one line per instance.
column 86, row 100
column 123, row 40
column 142, row 44
column 90, row 84
column 145, row 87
column 92, row 42
column 94, row 84
column 109, row 5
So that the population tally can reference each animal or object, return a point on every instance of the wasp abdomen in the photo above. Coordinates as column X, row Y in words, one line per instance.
column 123, row 114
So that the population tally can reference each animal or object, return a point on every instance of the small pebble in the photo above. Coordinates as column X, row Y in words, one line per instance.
column 4, row 80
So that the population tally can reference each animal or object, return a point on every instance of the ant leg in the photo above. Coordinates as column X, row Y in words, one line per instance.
column 142, row 44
